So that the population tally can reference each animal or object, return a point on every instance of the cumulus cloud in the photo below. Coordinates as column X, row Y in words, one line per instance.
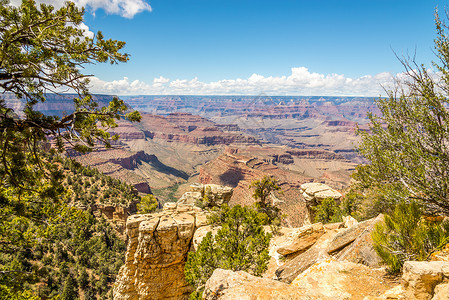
column 124, row 8
column 86, row 30
column 300, row 82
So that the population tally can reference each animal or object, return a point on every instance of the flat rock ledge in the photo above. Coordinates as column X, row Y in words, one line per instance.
column 229, row 285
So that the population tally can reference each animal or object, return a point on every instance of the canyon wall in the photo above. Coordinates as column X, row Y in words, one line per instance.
column 157, row 250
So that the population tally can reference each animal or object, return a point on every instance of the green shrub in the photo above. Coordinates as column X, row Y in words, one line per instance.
column 241, row 244
column 405, row 235
column 148, row 204
column 263, row 193
column 327, row 211
column 351, row 203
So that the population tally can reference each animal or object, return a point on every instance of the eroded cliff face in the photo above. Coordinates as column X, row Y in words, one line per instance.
column 157, row 250
column 115, row 214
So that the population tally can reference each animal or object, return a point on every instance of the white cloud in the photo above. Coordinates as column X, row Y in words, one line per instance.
column 125, row 8
column 300, row 82
column 86, row 30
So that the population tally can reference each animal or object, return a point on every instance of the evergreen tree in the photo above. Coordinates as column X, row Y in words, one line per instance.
column 69, row 291
column 407, row 146
column 263, row 190
column 327, row 211
column 43, row 50
column 405, row 235
column 148, row 204
column 240, row 244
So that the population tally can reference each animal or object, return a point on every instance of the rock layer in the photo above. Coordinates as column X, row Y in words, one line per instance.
column 420, row 278
column 216, row 194
column 157, row 249
column 226, row 284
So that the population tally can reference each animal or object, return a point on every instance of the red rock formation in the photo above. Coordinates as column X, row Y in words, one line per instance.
column 315, row 154
column 239, row 171
column 191, row 129
column 116, row 215
column 119, row 163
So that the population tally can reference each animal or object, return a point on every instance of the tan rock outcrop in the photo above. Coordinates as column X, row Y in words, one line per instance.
column 420, row 278
column 333, row 226
column 217, row 194
column 225, row 284
column 302, row 239
column 347, row 236
column 157, row 248
column 317, row 253
column 329, row 279
column 349, row 221
column 316, row 192
column 362, row 249
column 116, row 215
column 396, row 293
column 339, row 279
column 441, row 292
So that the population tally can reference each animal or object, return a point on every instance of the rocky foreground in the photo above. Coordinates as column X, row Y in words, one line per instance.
column 315, row 261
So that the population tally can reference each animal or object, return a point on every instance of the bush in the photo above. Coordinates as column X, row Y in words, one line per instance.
column 205, row 201
column 241, row 244
column 148, row 204
column 405, row 235
column 327, row 211
column 263, row 192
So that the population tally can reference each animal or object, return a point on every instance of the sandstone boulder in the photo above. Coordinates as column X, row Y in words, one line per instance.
column 396, row 293
column 302, row 239
column 200, row 233
column 347, row 236
column 441, row 292
column 333, row 226
column 217, row 194
column 349, row 221
column 317, row 253
column 327, row 276
column 156, row 253
column 420, row 278
column 225, row 284
column 316, row 192
column 341, row 280
column 362, row 249
column 190, row 197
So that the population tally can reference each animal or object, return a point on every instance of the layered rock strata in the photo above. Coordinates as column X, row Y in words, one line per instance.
column 317, row 192
column 314, row 193
column 116, row 215
column 157, row 249
column 216, row 194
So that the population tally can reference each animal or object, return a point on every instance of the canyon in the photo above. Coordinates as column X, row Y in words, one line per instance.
column 319, row 261
column 229, row 140
column 186, row 143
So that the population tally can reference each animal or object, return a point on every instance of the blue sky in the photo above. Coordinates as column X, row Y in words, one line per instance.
column 315, row 47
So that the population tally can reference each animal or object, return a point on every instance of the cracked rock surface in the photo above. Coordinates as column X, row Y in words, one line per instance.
column 157, row 249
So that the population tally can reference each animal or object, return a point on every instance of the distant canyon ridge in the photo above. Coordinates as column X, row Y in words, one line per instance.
column 229, row 140
column 296, row 121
